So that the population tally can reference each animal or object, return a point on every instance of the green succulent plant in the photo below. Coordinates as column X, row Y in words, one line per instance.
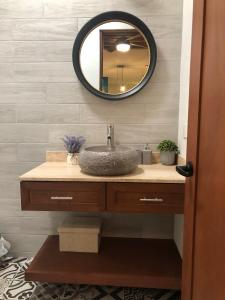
column 168, row 145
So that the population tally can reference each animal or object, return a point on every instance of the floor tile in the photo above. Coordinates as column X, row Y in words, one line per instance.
column 19, row 289
column 4, row 284
column 9, row 271
column 20, row 275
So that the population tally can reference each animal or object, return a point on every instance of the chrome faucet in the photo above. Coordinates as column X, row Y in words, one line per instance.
column 110, row 136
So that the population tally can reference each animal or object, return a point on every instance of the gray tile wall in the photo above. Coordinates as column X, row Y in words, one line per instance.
column 41, row 100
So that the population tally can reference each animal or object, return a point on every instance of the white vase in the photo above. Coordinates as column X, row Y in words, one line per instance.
column 72, row 158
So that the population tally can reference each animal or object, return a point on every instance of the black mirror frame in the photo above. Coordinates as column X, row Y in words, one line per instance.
column 94, row 22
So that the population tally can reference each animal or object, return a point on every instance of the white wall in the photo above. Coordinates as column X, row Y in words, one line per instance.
column 90, row 58
column 183, row 106
column 184, row 75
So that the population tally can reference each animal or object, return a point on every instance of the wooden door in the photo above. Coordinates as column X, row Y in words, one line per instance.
column 204, row 234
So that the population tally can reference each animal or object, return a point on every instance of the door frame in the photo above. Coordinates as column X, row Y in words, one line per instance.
column 194, row 114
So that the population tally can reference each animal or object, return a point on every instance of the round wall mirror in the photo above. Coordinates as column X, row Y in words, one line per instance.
column 114, row 55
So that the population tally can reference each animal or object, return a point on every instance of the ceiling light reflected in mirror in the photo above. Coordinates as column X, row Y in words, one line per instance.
column 123, row 46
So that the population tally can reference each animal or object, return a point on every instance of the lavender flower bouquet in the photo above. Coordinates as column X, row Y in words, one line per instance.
column 73, row 144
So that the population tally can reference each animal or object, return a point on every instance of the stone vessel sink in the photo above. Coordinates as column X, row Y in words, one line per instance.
column 106, row 161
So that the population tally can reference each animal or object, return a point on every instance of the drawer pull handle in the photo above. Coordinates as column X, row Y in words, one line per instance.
column 151, row 200
column 61, row 198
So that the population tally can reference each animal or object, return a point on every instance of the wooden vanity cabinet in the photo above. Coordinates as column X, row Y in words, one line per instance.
column 100, row 196
column 62, row 196
column 134, row 262
column 145, row 197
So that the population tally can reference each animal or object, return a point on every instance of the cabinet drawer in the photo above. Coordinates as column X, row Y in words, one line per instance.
column 64, row 196
column 145, row 197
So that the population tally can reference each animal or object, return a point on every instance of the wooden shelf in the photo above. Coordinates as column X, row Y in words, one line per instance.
column 121, row 262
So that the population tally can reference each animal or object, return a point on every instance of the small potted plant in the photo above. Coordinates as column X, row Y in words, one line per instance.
column 73, row 145
column 168, row 150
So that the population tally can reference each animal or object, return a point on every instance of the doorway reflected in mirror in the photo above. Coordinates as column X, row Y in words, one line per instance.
column 125, row 57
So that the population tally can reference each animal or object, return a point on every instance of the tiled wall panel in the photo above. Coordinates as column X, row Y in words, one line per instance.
column 41, row 100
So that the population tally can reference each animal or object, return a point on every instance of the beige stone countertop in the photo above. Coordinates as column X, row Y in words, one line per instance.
column 61, row 171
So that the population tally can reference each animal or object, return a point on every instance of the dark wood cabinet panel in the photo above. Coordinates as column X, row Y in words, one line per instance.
column 95, row 196
column 63, row 196
column 121, row 262
column 145, row 198
column 152, row 263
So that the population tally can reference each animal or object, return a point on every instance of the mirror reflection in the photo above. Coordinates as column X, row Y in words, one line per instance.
column 114, row 57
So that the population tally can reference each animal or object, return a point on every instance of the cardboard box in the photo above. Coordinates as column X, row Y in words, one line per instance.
column 80, row 234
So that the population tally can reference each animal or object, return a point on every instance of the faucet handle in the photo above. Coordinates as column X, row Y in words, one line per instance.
column 110, row 136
